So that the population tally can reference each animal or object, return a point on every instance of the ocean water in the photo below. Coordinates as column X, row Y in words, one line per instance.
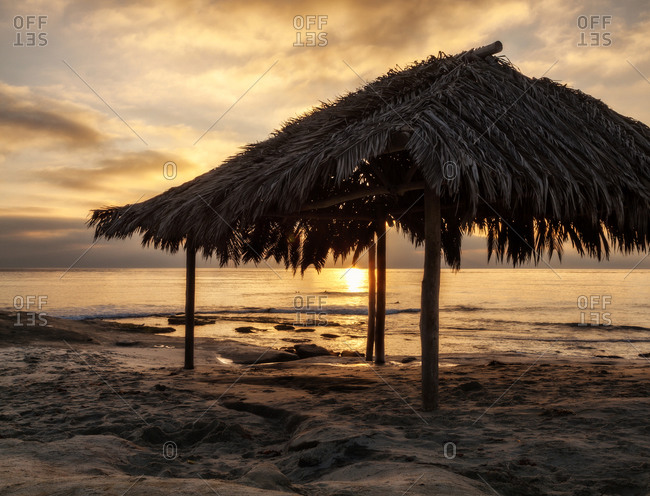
column 582, row 313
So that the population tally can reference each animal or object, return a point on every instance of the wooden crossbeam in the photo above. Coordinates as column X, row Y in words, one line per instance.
column 356, row 195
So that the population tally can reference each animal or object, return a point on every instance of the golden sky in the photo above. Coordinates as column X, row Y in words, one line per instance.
column 113, row 90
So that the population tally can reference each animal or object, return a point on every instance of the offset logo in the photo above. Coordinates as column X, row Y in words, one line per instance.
column 449, row 450
column 29, row 30
column 31, row 307
column 310, row 310
column 450, row 170
column 594, row 30
column 309, row 30
column 170, row 170
column 170, row 450
column 593, row 310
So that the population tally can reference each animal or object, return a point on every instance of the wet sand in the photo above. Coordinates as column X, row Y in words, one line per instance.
column 81, row 414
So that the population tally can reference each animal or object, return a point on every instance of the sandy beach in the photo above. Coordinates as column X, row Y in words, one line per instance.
column 82, row 414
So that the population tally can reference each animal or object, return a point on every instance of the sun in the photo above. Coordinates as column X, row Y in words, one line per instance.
column 355, row 279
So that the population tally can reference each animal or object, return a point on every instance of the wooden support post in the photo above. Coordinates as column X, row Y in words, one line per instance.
column 380, row 318
column 190, row 275
column 429, row 316
column 370, row 342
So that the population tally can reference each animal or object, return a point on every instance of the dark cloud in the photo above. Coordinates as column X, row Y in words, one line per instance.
column 27, row 117
column 15, row 226
column 57, row 242
column 115, row 172
column 49, row 242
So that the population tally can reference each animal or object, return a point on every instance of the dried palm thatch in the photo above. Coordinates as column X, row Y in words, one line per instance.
column 530, row 162
column 444, row 147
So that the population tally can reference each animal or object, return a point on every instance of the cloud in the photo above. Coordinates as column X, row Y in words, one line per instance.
column 27, row 118
column 59, row 242
column 49, row 242
column 16, row 226
column 113, row 172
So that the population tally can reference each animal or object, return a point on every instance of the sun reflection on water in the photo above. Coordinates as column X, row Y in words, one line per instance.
column 355, row 279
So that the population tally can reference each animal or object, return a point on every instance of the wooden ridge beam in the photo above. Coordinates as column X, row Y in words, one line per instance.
column 490, row 49
column 356, row 195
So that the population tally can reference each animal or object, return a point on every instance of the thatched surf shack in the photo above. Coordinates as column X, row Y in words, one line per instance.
column 443, row 148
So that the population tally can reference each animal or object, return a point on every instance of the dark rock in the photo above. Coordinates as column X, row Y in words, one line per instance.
column 304, row 445
column 243, row 353
column 284, row 327
column 305, row 329
column 310, row 350
column 471, row 386
column 356, row 450
column 270, row 453
column 408, row 359
column 329, row 336
column 198, row 321
column 308, row 460
column 141, row 328
column 215, row 431
column 556, row 412
column 259, row 409
column 644, row 355
column 160, row 387
column 351, row 353
column 496, row 363
column 127, row 343
column 247, row 329
column 153, row 435
column 267, row 476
